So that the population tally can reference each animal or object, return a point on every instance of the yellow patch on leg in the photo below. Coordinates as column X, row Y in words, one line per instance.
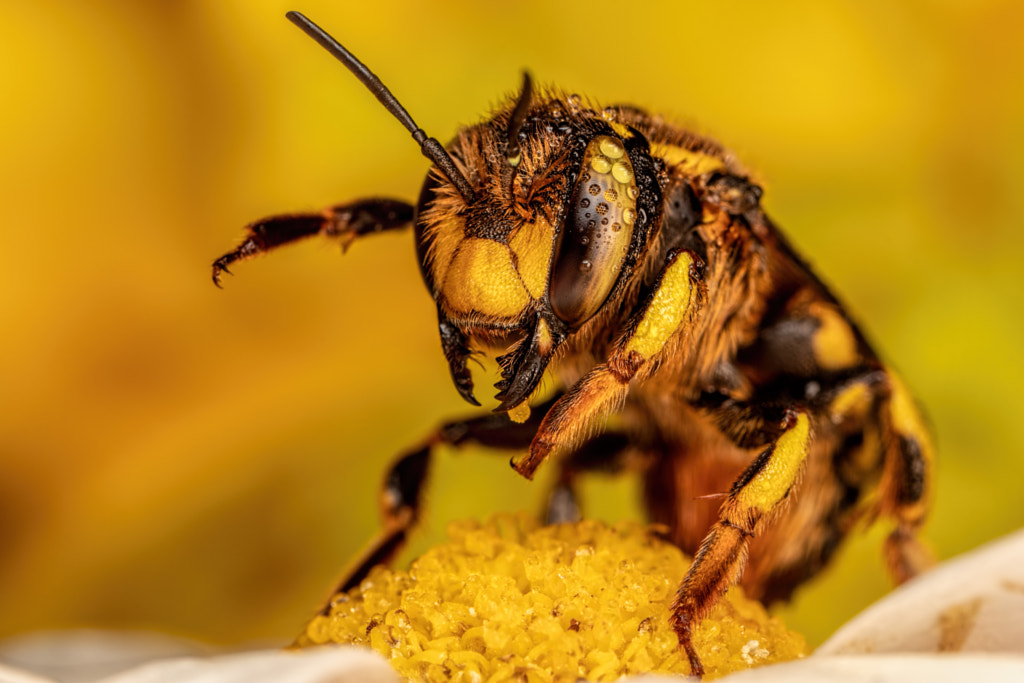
column 768, row 487
column 667, row 309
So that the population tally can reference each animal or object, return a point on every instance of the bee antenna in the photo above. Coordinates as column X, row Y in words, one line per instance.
column 431, row 148
column 512, row 152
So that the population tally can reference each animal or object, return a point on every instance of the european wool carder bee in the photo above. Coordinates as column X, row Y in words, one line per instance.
column 630, row 260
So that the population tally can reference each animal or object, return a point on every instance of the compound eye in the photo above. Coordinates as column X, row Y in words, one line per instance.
column 593, row 242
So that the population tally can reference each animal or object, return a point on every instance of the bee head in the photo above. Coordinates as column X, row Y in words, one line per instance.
column 528, row 226
column 555, row 223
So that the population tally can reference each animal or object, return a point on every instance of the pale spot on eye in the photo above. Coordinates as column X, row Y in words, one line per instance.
column 612, row 148
column 621, row 172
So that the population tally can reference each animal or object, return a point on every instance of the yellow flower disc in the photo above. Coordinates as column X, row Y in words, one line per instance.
column 513, row 600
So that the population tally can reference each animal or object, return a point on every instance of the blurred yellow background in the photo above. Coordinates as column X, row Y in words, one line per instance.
column 204, row 462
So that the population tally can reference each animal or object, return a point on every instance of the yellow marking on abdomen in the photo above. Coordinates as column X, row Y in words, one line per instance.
column 853, row 401
column 833, row 343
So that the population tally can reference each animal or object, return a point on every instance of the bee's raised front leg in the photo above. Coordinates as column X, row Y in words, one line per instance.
column 344, row 222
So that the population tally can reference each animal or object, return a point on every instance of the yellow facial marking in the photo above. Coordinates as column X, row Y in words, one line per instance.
column 834, row 344
column 444, row 238
column 769, row 486
column 531, row 243
column 667, row 311
column 695, row 163
column 482, row 279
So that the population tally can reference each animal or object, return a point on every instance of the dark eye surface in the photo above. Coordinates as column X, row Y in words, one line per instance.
column 598, row 229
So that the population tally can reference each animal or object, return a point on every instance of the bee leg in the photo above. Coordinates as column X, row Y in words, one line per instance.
column 344, row 222
column 399, row 508
column 668, row 310
column 603, row 453
column 401, row 494
column 754, row 499
column 909, row 462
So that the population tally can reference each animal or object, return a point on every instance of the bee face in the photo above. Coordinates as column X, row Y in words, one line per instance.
column 541, row 248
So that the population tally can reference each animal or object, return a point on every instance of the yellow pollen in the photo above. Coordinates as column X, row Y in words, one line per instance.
column 520, row 414
column 601, row 164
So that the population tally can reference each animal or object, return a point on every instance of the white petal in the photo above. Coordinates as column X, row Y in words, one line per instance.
column 974, row 603
column 315, row 665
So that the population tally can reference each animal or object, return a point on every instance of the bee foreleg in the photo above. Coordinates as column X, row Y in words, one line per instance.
column 344, row 222
column 576, row 415
column 754, row 499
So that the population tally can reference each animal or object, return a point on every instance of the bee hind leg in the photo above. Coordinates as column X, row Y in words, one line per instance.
column 906, row 483
column 754, row 499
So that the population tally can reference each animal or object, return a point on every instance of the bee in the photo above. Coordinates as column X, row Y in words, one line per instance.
column 630, row 261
